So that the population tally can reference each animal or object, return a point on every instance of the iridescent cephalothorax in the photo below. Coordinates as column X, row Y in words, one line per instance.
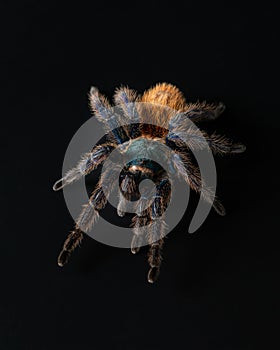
column 138, row 136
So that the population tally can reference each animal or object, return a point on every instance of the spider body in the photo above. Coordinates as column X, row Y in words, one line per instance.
column 136, row 141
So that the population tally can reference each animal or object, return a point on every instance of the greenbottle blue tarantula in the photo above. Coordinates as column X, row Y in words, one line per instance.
column 133, row 136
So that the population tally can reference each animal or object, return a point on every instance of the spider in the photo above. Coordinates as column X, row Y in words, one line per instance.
column 131, row 138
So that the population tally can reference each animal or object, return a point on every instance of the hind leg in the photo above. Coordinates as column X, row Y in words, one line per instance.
column 203, row 111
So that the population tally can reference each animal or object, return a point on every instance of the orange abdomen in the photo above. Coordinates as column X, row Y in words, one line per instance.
column 165, row 94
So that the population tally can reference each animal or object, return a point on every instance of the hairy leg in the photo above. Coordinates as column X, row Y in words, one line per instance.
column 126, row 98
column 138, row 222
column 149, row 206
column 142, row 218
column 107, row 115
column 183, row 133
column 88, row 216
column 127, row 187
column 220, row 144
column 191, row 174
column 161, row 198
column 156, row 233
column 203, row 111
column 157, row 228
column 196, row 139
column 155, row 259
column 72, row 241
column 88, row 163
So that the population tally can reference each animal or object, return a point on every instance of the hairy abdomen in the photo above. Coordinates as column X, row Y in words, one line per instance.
column 169, row 97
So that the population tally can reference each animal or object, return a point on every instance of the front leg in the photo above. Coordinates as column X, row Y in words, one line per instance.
column 157, row 228
column 137, row 223
column 87, row 164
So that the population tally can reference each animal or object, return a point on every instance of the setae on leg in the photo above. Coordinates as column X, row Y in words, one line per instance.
column 88, row 163
column 88, row 216
column 137, row 223
column 157, row 228
column 191, row 174
column 203, row 111
column 156, row 233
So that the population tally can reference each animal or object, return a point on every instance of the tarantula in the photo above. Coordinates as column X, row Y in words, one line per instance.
column 129, row 139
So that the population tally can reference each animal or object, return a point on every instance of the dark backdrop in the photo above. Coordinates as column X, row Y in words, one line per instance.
column 217, row 288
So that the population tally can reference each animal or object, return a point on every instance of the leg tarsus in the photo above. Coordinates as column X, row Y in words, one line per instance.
column 136, row 244
column 71, row 242
column 155, row 260
column 220, row 109
column 153, row 274
column 137, row 223
column 219, row 208
column 63, row 258
column 237, row 148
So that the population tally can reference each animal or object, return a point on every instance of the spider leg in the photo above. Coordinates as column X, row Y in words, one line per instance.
column 128, row 186
column 157, row 227
column 126, row 98
column 198, row 140
column 221, row 145
column 88, row 216
column 203, row 111
column 148, row 207
column 161, row 198
column 191, row 174
column 121, row 205
column 156, row 233
column 183, row 133
column 88, row 163
column 107, row 115
column 155, row 251
column 141, row 218
column 137, row 239
column 72, row 241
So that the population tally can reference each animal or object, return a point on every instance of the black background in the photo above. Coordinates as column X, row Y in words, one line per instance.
column 217, row 288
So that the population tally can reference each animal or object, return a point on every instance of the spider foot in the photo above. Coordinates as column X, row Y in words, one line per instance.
column 220, row 209
column 136, row 244
column 135, row 250
column 120, row 212
column 153, row 274
column 220, row 108
column 63, row 258
column 238, row 148
column 58, row 185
